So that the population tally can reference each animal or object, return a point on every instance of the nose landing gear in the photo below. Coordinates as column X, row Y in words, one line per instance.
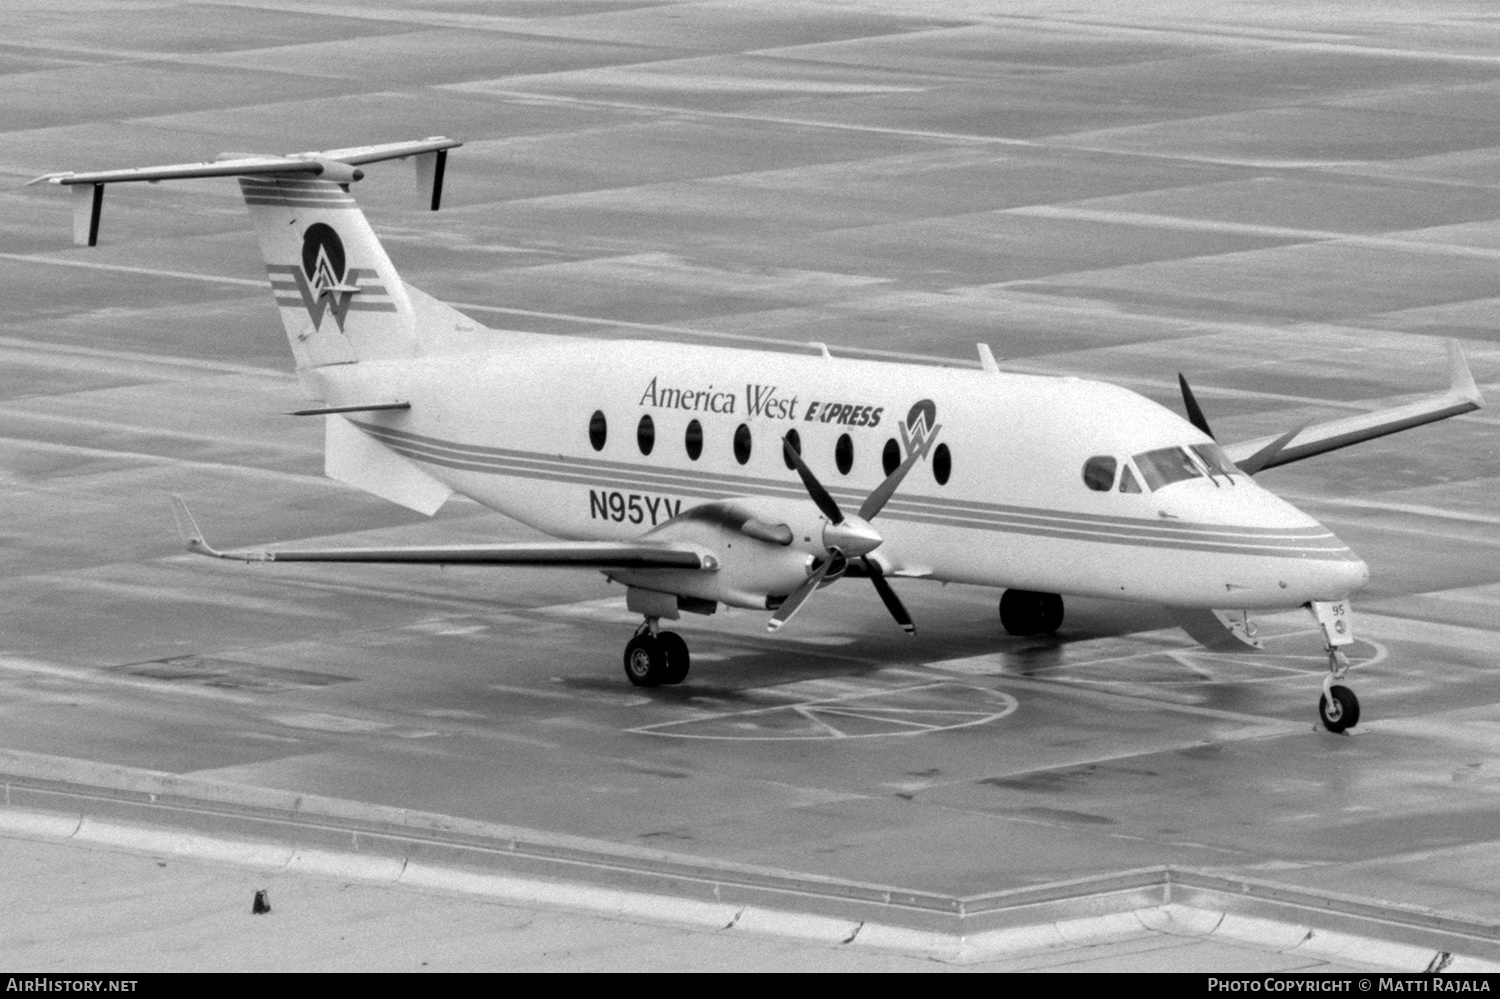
column 1338, row 708
column 656, row 658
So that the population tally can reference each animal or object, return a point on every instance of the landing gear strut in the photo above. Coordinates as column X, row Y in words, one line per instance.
column 655, row 658
column 1338, row 708
column 1023, row 612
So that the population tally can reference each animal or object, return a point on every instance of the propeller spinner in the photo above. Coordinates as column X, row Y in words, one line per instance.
column 846, row 537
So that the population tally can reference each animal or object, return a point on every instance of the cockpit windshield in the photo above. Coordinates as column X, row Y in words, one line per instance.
column 1167, row 465
column 1217, row 461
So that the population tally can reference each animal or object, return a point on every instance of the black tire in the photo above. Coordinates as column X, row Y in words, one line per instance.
column 645, row 661
column 1342, row 713
column 1023, row 612
column 678, row 658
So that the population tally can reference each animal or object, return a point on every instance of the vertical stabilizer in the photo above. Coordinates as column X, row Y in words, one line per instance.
column 340, row 297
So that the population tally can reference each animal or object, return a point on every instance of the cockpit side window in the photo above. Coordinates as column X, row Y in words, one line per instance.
column 1099, row 473
column 1167, row 465
column 1217, row 461
column 1127, row 481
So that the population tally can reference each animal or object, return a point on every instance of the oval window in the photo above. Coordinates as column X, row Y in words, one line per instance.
column 795, row 439
column 598, row 430
column 890, row 458
column 645, row 434
column 742, row 444
column 942, row 464
column 694, row 440
column 843, row 454
column 1099, row 473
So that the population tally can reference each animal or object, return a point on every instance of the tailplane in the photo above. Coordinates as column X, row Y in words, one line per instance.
column 339, row 295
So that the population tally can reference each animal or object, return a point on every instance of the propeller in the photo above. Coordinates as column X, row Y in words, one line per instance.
column 1261, row 459
column 844, row 538
column 1194, row 411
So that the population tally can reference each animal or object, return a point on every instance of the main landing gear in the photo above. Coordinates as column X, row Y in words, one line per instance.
column 656, row 658
column 1023, row 612
column 1338, row 708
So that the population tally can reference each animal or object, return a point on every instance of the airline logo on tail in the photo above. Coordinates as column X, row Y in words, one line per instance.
column 324, row 283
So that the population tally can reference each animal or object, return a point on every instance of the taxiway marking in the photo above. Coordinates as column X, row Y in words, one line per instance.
column 1019, row 365
column 1155, row 221
column 825, row 714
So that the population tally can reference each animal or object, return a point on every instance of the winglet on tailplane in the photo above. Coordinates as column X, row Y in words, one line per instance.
column 339, row 166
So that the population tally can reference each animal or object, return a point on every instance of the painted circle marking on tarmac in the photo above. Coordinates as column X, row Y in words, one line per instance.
column 1205, row 666
column 878, row 713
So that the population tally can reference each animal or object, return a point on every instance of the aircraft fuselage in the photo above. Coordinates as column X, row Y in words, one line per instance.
column 999, row 496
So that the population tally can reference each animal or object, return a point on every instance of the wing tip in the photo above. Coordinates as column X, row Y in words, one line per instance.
column 1461, row 377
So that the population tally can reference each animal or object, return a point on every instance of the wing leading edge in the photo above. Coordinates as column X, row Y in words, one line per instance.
column 555, row 554
column 1320, row 438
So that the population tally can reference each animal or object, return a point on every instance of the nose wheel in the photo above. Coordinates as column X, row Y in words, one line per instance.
column 656, row 658
column 1338, row 708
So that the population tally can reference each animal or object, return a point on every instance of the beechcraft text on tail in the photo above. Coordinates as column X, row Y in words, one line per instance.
column 702, row 476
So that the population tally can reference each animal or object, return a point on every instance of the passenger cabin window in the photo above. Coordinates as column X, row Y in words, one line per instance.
column 645, row 434
column 694, row 440
column 942, row 464
column 1099, row 473
column 843, row 454
column 890, row 458
column 1165, row 466
column 742, row 444
column 598, row 430
column 795, row 439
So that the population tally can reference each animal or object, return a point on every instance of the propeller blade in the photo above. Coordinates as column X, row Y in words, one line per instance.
column 790, row 605
column 1266, row 455
column 1194, row 411
column 814, row 487
column 876, row 501
column 888, row 596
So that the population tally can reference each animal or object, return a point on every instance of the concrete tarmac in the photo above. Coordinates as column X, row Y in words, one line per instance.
column 1295, row 207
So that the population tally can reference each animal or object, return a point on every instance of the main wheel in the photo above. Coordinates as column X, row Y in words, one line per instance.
column 678, row 658
column 1023, row 612
column 1341, row 712
column 646, row 661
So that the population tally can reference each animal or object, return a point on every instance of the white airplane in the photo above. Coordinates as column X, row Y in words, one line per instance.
column 698, row 476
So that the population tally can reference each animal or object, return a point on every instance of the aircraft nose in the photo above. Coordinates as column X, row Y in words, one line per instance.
column 1336, row 580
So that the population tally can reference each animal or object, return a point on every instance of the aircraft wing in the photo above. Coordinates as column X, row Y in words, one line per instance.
column 1462, row 397
column 639, row 554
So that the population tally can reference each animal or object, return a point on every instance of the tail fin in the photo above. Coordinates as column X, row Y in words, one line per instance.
column 339, row 295
column 340, row 298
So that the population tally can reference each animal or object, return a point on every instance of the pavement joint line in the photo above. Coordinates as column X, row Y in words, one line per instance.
column 29, row 258
column 1018, row 365
column 1153, row 220
column 358, row 840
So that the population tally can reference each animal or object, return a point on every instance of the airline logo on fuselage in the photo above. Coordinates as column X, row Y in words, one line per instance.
column 920, row 428
column 764, row 401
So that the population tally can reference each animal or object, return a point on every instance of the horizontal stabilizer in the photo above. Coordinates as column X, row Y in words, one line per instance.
column 337, row 165
column 1320, row 438
column 555, row 554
